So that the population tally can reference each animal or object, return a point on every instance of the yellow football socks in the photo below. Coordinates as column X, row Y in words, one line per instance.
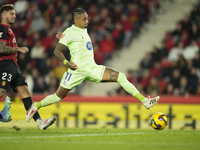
column 48, row 101
column 130, row 88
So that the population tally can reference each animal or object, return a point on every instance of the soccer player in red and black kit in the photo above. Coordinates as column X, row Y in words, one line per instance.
column 10, row 74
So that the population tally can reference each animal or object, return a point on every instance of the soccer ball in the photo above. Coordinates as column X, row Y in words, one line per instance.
column 158, row 121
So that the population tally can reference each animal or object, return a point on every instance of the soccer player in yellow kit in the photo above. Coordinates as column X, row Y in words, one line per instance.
column 83, row 67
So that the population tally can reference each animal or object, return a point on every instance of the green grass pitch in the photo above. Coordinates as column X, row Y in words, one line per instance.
column 98, row 139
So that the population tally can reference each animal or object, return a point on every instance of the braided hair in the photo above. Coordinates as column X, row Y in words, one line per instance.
column 77, row 12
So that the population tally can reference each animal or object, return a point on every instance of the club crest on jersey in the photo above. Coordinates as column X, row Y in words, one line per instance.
column 3, row 83
column 89, row 45
column 1, row 33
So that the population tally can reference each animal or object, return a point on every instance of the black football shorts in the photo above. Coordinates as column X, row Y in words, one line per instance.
column 10, row 75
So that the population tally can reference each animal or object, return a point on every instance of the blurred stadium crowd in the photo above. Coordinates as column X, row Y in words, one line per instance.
column 172, row 69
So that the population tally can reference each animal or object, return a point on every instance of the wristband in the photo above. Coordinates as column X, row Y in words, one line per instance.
column 65, row 62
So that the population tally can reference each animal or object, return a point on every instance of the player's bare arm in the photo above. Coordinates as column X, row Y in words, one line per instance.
column 9, row 50
column 61, row 57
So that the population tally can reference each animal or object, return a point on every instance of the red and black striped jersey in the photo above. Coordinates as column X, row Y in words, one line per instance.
column 7, row 35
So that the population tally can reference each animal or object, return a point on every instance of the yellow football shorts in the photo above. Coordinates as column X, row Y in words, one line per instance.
column 72, row 78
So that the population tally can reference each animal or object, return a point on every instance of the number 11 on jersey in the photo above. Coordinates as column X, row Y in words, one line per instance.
column 68, row 78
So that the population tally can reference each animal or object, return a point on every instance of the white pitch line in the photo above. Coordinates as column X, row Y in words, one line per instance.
column 105, row 142
column 82, row 135
column 71, row 135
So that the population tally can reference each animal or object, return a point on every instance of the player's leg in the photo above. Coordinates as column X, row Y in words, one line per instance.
column 68, row 82
column 111, row 75
column 26, row 98
column 7, row 73
column 51, row 99
column 5, row 78
column 19, row 85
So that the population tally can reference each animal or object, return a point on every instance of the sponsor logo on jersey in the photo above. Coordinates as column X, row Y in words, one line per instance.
column 89, row 45
column 3, row 83
column 1, row 33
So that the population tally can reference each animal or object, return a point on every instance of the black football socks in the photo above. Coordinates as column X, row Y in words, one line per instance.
column 27, row 104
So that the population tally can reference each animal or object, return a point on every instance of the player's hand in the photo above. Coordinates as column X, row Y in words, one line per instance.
column 23, row 49
column 71, row 65
column 58, row 35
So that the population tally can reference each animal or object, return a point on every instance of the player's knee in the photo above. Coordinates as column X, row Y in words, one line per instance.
column 61, row 92
column 60, row 99
column 57, row 98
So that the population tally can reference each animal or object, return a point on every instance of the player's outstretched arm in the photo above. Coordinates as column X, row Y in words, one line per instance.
column 23, row 50
column 61, row 57
column 9, row 50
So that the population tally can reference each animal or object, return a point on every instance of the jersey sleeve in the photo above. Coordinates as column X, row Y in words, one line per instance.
column 3, row 33
column 66, row 38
